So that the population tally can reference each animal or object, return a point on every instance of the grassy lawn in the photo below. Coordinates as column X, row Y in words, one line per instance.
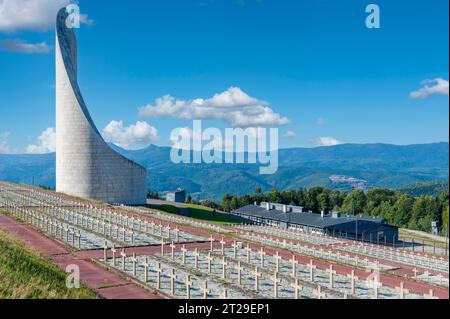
column 165, row 208
column 201, row 213
column 26, row 275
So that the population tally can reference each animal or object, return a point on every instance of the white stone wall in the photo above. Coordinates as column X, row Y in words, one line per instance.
column 85, row 165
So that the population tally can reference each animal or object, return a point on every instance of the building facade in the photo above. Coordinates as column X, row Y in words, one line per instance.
column 375, row 230
column 178, row 196
column 85, row 165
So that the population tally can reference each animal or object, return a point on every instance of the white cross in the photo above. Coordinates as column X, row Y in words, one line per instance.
column 124, row 255
column 173, row 277
column 134, row 260
column 105, row 251
column 222, row 243
column 277, row 260
column 183, row 252
column 188, row 286
column 248, row 250
column 415, row 270
column 162, row 246
column 402, row 291
column 172, row 248
column 239, row 269
column 209, row 259
column 275, row 281
column 235, row 246
column 205, row 290
column 196, row 255
column 331, row 272
column 224, row 267
column 296, row 287
column 132, row 236
column 146, row 265
column 311, row 267
column 262, row 253
column 257, row 274
column 168, row 230
column 352, row 278
column 294, row 263
column 158, row 277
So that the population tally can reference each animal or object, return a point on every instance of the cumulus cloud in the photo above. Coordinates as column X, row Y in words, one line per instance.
column 290, row 134
column 327, row 141
column 4, row 135
column 46, row 143
column 134, row 136
column 18, row 45
column 437, row 86
column 33, row 15
column 234, row 106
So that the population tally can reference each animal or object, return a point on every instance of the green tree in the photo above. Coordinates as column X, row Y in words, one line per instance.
column 355, row 201
column 226, row 202
column 445, row 220
column 324, row 201
column 424, row 211
column 402, row 210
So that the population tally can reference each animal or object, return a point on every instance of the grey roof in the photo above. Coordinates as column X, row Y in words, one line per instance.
column 311, row 219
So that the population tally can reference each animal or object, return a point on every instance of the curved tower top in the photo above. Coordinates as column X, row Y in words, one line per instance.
column 85, row 165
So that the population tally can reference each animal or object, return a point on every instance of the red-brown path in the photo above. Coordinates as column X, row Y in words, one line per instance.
column 106, row 284
column 390, row 281
column 28, row 234
column 403, row 274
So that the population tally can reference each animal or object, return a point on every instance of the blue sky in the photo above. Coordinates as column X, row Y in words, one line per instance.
column 313, row 63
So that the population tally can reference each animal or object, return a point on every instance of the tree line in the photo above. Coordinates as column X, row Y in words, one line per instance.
column 400, row 209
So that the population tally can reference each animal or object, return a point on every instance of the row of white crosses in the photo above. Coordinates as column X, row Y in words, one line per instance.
column 401, row 256
column 99, row 219
column 292, row 234
column 239, row 268
column 159, row 272
column 315, row 251
column 330, row 271
column 54, row 227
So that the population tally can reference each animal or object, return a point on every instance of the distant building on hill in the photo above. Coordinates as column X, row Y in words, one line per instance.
column 177, row 196
column 376, row 230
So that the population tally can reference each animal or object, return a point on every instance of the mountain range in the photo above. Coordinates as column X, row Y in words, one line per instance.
column 380, row 165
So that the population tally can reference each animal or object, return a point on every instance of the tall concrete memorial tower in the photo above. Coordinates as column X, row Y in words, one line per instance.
column 85, row 165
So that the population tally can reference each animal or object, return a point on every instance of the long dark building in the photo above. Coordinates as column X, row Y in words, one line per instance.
column 334, row 223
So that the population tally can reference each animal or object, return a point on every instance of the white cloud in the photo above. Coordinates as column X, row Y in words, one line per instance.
column 328, row 141
column 4, row 147
column 33, row 15
column 18, row 45
column 290, row 134
column 437, row 86
column 4, row 135
column 233, row 106
column 46, row 143
column 134, row 136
